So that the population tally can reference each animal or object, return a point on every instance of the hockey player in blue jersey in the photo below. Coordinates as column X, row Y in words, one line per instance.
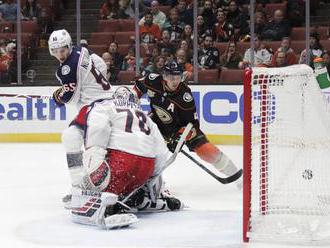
column 81, row 74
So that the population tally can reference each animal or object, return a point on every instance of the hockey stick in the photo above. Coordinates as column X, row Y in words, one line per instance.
column 168, row 162
column 24, row 96
column 223, row 180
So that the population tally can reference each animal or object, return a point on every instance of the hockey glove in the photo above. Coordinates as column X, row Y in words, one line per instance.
column 173, row 141
column 57, row 96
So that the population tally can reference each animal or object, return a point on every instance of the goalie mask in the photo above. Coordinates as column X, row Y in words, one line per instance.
column 60, row 44
column 125, row 94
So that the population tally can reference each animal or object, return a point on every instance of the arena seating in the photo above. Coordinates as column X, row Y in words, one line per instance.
column 231, row 76
column 208, row 76
column 298, row 33
column 126, row 76
column 121, row 31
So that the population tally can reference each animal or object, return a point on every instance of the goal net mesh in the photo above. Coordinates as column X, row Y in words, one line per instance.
column 290, row 156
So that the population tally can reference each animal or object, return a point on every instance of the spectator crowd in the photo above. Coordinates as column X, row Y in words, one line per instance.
column 37, row 24
column 168, row 35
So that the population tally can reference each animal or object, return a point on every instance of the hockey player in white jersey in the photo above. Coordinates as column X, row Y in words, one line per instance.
column 81, row 74
column 123, row 150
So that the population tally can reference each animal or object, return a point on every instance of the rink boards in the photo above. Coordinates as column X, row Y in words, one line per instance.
column 219, row 107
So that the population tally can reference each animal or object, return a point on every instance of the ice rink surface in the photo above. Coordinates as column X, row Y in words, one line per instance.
column 34, row 178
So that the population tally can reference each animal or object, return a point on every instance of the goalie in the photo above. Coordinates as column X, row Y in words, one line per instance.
column 123, row 150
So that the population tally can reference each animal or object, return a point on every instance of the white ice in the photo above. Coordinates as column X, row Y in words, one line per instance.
column 34, row 178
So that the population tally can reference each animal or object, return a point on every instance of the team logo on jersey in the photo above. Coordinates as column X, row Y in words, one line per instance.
column 187, row 97
column 163, row 115
column 65, row 70
column 152, row 76
column 151, row 93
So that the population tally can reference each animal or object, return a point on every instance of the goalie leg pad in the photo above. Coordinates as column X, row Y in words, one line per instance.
column 89, row 207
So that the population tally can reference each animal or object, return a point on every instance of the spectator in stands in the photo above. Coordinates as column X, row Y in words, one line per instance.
column 149, row 32
column 157, row 66
column 296, row 13
column 5, row 61
column 109, row 10
column 117, row 57
column 222, row 30
column 159, row 17
column 231, row 57
column 151, row 54
column 316, row 50
column 326, row 59
column 238, row 19
column 187, row 47
column 208, row 15
column 8, row 11
column 278, row 28
column 127, row 9
column 187, row 34
column 7, row 29
column 260, row 22
column 202, row 29
column 129, row 61
column 3, row 46
column 31, row 10
column 165, row 42
column 185, row 14
column 181, row 59
column 262, row 57
column 167, row 54
column 46, row 27
column 208, row 55
column 280, row 60
column 112, row 72
column 222, row 4
column 12, row 70
column 290, row 55
column 174, row 26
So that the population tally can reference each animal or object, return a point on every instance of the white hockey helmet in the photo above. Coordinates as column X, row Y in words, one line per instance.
column 124, row 93
column 59, row 38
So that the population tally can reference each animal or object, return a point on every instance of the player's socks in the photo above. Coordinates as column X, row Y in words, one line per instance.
column 226, row 166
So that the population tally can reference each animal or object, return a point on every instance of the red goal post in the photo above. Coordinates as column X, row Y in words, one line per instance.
column 286, row 195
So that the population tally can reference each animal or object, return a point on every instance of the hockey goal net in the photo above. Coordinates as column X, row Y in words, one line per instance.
column 286, row 156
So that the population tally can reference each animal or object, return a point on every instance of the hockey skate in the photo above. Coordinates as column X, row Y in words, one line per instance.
column 142, row 201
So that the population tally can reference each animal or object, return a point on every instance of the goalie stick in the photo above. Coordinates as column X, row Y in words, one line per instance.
column 223, row 180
